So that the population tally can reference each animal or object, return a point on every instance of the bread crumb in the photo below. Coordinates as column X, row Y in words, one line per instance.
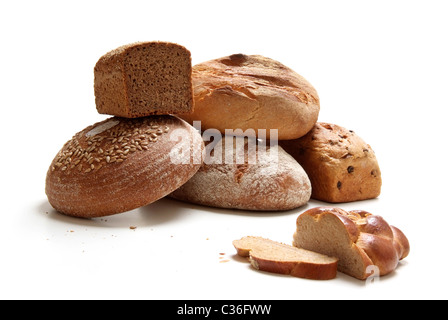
column 223, row 261
column 132, row 227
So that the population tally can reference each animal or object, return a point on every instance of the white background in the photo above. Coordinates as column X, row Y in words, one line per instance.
column 380, row 68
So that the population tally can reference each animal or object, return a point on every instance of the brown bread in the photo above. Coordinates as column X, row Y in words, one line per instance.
column 144, row 78
column 121, row 164
column 253, row 92
column 264, row 180
column 340, row 165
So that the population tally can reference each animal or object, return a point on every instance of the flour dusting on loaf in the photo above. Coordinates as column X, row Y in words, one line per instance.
column 274, row 182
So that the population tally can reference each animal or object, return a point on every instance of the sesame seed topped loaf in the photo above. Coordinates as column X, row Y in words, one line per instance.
column 121, row 164
column 144, row 78
column 340, row 165
column 276, row 257
column 253, row 92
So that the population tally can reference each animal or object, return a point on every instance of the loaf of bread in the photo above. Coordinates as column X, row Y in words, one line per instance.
column 275, row 257
column 340, row 165
column 236, row 175
column 361, row 241
column 144, row 78
column 253, row 92
column 121, row 164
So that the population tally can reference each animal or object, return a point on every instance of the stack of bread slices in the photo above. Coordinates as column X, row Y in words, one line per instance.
column 237, row 132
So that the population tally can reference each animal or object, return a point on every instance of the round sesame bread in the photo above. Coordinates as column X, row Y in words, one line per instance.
column 121, row 164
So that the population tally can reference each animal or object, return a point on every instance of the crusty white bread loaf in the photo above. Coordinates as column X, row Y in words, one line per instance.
column 253, row 92
column 121, row 164
column 357, row 238
column 264, row 180
column 144, row 78
column 271, row 256
column 340, row 165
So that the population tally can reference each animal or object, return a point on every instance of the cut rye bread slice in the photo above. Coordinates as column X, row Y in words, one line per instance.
column 272, row 256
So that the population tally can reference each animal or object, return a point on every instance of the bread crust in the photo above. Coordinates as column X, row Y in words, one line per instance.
column 340, row 165
column 253, row 92
column 119, row 164
column 286, row 259
column 372, row 240
column 144, row 78
column 269, row 184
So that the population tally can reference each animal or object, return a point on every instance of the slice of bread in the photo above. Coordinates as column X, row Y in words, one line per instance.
column 144, row 78
column 272, row 256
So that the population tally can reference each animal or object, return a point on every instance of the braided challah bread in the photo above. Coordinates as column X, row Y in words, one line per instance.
column 358, row 238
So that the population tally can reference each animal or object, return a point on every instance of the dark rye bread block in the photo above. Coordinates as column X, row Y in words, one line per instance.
column 144, row 78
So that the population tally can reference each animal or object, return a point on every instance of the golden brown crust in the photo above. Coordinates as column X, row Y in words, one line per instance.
column 372, row 240
column 144, row 78
column 120, row 164
column 253, row 92
column 340, row 165
column 401, row 243
column 271, row 256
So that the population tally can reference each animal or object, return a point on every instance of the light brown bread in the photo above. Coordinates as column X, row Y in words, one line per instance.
column 144, row 78
column 121, row 164
column 271, row 256
column 234, row 175
column 253, row 92
column 361, row 241
column 340, row 165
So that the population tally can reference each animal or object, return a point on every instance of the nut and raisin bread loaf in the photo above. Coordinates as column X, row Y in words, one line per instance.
column 340, row 165
column 357, row 238
column 144, row 78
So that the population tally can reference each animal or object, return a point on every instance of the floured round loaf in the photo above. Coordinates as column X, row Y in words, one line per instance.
column 121, row 164
column 253, row 92
column 234, row 175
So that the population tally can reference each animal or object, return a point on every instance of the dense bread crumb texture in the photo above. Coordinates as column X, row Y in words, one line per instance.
column 238, row 174
column 120, row 164
column 144, row 78
column 341, row 166
column 362, row 242
column 276, row 257
column 253, row 92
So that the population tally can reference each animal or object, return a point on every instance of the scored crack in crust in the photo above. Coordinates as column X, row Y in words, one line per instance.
column 253, row 92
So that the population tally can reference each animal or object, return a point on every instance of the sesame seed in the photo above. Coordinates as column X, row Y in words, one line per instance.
column 87, row 154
